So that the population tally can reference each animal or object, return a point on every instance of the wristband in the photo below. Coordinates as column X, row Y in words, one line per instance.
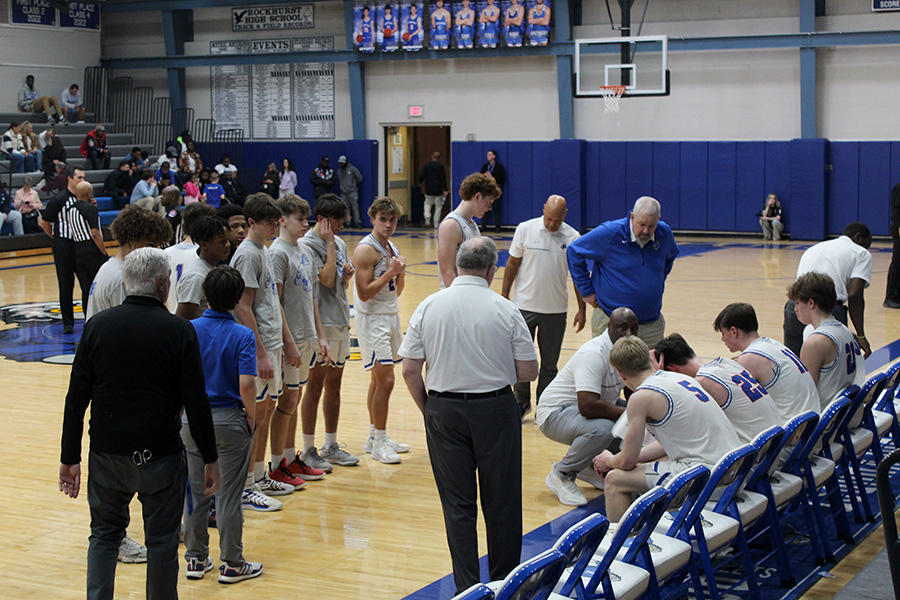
column 859, row 337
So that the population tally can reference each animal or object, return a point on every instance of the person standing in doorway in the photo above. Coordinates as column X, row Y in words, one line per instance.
column 494, row 169
column 433, row 179
column 349, row 179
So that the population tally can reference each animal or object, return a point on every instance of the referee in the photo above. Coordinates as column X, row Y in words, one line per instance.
column 476, row 344
column 75, row 252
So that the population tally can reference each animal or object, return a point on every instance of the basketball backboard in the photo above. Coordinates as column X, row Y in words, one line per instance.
column 640, row 63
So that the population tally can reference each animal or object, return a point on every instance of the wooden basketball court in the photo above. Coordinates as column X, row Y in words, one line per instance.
column 371, row 531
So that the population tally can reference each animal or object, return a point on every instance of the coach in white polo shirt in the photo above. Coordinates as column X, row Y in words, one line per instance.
column 537, row 265
column 579, row 408
column 476, row 345
column 848, row 262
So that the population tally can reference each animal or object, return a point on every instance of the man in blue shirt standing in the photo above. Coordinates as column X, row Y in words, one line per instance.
column 631, row 259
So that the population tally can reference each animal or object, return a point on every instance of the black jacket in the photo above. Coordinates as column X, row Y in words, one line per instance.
column 118, row 183
column 137, row 366
column 498, row 172
column 322, row 180
column 433, row 178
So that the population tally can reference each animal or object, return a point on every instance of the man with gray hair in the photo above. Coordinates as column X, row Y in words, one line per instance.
column 632, row 258
column 136, row 399
column 477, row 345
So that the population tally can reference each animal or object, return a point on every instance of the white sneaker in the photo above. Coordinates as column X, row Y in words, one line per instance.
column 229, row 574
column 270, row 487
column 132, row 552
column 311, row 457
column 589, row 475
column 565, row 489
column 383, row 452
column 336, row 455
column 254, row 499
column 397, row 446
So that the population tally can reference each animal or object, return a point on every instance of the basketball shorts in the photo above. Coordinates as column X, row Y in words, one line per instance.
column 663, row 471
column 294, row 377
column 379, row 338
column 270, row 387
column 339, row 345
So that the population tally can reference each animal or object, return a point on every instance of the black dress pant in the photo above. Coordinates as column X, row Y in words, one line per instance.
column 478, row 444
column 893, row 278
column 81, row 259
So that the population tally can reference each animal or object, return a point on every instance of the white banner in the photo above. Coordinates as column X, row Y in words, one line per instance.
column 255, row 18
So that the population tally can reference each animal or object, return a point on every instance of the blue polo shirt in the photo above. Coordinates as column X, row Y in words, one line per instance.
column 227, row 350
column 214, row 193
column 623, row 273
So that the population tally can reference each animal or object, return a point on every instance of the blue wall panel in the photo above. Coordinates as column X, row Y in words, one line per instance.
column 721, row 192
column 895, row 164
column 778, row 177
column 843, row 186
column 512, row 170
column 875, row 186
column 612, row 199
column 750, row 184
column 638, row 171
column 591, row 185
column 518, row 193
column 543, row 180
column 667, row 180
column 808, row 188
column 568, row 180
column 467, row 159
column 692, row 206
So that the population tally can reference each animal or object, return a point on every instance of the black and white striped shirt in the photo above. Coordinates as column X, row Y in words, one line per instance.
column 72, row 220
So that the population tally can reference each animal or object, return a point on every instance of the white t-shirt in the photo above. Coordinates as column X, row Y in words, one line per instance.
column 846, row 369
column 190, row 284
column 180, row 255
column 842, row 259
column 108, row 289
column 470, row 338
column 587, row 371
column 541, row 282
column 791, row 386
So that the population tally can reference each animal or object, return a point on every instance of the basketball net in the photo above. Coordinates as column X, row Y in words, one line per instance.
column 611, row 95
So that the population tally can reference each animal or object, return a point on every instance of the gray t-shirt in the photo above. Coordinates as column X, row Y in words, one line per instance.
column 253, row 262
column 334, row 310
column 108, row 289
column 292, row 266
column 190, row 286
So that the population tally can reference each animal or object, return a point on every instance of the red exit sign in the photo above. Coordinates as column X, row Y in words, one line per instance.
column 415, row 111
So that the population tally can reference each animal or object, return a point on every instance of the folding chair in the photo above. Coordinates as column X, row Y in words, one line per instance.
column 888, row 404
column 579, row 543
column 534, row 579
column 479, row 591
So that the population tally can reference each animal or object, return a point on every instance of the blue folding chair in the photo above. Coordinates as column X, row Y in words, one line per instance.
column 534, row 579
column 479, row 591
column 579, row 543
column 887, row 404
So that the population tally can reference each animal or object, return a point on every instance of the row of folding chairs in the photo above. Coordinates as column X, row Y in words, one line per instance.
column 704, row 521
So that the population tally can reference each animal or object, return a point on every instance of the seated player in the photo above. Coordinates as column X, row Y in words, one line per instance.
column 831, row 353
column 746, row 403
column 690, row 430
column 770, row 363
column 579, row 408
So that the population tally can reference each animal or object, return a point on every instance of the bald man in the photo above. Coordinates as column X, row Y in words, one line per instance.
column 537, row 267
column 89, row 256
column 580, row 407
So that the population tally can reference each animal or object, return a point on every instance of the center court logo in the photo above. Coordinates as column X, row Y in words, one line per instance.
column 36, row 333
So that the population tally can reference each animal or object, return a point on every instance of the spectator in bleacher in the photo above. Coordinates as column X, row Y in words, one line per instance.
column 70, row 100
column 166, row 180
column 95, row 147
column 32, row 148
column 136, row 155
column 54, row 153
column 59, row 181
column 234, row 189
column 271, row 181
column 28, row 204
column 164, row 169
column 190, row 159
column 214, row 192
column 191, row 190
column 119, row 185
column 7, row 213
column 145, row 188
column 204, row 179
column 225, row 165
column 237, row 226
column 13, row 149
column 170, row 156
column 183, row 140
column 322, row 178
column 29, row 101
column 288, row 183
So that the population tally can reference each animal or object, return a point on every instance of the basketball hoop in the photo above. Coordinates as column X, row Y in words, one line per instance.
column 611, row 95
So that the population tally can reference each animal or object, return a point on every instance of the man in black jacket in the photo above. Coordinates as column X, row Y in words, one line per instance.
column 138, row 366
column 119, row 184
column 493, row 168
column 322, row 178
column 433, row 179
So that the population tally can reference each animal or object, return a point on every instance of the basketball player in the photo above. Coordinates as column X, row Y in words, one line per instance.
column 388, row 30
column 413, row 37
column 746, row 403
column 380, row 276
column 512, row 24
column 478, row 193
column 186, row 251
column 488, row 25
column 539, row 24
column 690, row 430
column 831, row 353
column 440, row 26
column 210, row 234
column 770, row 363
column 465, row 26
column 365, row 37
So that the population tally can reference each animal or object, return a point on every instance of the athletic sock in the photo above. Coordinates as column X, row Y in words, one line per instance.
column 309, row 441
column 259, row 470
column 250, row 480
column 330, row 438
column 371, row 428
column 276, row 462
column 289, row 455
column 379, row 434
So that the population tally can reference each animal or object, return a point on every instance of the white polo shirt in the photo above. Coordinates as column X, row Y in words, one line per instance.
column 587, row 371
column 842, row 259
column 470, row 338
column 541, row 283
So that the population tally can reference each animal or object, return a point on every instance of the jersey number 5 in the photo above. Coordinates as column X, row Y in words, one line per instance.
column 701, row 395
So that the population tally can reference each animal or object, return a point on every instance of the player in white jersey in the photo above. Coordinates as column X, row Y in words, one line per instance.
column 133, row 228
column 184, row 252
column 746, row 403
column 380, row 276
column 210, row 234
column 690, row 428
column 770, row 363
column 831, row 353
column 478, row 192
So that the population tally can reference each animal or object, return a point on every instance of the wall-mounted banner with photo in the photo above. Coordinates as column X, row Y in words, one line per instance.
column 283, row 16
column 81, row 15
column 33, row 12
column 513, row 22
column 464, row 20
column 441, row 24
column 413, row 36
column 388, row 34
column 489, row 23
column 364, row 25
column 538, row 28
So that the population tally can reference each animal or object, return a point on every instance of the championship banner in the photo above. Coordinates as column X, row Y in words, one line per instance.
column 81, row 15
column 413, row 36
column 364, row 25
column 33, row 12
column 538, row 28
column 282, row 16
column 513, row 23
column 441, row 24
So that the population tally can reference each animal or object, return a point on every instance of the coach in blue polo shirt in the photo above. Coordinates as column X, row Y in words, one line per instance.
column 631, row 259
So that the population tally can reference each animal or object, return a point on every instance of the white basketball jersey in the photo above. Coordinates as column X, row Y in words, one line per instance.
column 749, row 407
column 846, row 369
column 694, row 429
column 468, row 232
column 385, row 301
column 791, row 386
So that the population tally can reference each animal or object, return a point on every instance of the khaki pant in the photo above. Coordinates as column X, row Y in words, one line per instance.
column 45, row 104
column 652, row 332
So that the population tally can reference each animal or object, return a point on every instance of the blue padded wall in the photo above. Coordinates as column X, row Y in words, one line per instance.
column 843, row 185
column 694, row 185
column 612, row 198
column 519, row 194
column 638, row 171
column 778, row 178
column 875, row 186
column 568, row 181
column 667, row 180
column 591, row 215
column 721, row 189
column 808, row 190
column 750, row 184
